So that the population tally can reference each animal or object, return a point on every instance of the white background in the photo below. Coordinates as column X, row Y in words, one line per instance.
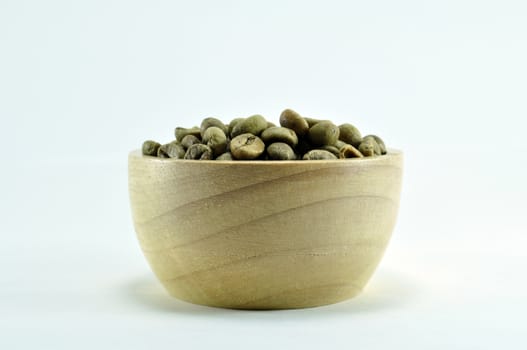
column 83, row 83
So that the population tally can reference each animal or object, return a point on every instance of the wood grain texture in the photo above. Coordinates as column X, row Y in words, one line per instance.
column 264, row 234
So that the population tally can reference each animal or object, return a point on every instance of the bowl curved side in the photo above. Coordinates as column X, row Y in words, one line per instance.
column 264, row 236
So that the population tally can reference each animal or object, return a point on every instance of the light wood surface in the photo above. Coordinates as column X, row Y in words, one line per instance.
column 264, row 234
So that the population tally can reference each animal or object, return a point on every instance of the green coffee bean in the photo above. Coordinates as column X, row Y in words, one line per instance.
column 189, row 140
column 367, row 147
column 225, row 156
column 376, row 147
column 171, row 150
column 350, row 134
column 237, row 128
column 380, row 142
column 247, row 146
column 199, row 151
column 208, row 122
column 254, row 124
column 313, row 121
column 246, row 138
column 319, row 154
column 150, row 148
column 215, row 138
column 339, row 144
column 279, row 134
column 280, row 151
column 294, row 121
column 232, row 124
column 323, row 133
column 348, row 151
column 182, row 132
column 331, row 149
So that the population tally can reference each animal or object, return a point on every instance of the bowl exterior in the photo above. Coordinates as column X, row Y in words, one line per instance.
column 264, row 235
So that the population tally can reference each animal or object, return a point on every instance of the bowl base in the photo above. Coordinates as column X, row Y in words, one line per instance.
column 325, row 295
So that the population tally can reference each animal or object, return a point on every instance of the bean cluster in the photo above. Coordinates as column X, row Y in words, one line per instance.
column 254, row 138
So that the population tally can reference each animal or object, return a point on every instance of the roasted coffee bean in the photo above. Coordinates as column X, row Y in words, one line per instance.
column 150, row 148
column 319, row 154
column 279, row 134
column 323, row 133
column 208, row 122
column 182, row 132
column 350, row 134
column 171, row 150
column 294, row 121
column 280, row 151
column 348, row 151
column 247, row 146
column 189, row 140
column 215, row 138
column 199, row 151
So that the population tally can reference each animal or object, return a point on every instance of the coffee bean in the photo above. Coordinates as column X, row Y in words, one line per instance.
column 232, row 124
column 225, row 156
column 280, row 151
column 348, row 151
column 331, row 149
column 279, row 134
column 208, row 122
column 248, row 138
column 189, row 140
column 294, row 121
column 319, row 154
column 380, row 142
column 339, row 144
column 247, row 146
column 367, row 147
column 150, row 148
column 171, row 150
column 215, row 138
column 350, row 135
column 199, row 151
column 252, row 125
column 313, row 121
column 376, row 147
column 323, row 133
column 182, row 132
column 236, row 128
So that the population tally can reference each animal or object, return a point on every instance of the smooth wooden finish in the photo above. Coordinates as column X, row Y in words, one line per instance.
column 264, row 234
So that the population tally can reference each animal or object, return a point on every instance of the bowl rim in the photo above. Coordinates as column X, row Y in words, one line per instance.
column 392, row 153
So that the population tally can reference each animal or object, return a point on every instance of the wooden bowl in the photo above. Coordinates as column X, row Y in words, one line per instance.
column 264, row 234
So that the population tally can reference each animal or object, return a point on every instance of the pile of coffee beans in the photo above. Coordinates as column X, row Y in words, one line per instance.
column 254, row 138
